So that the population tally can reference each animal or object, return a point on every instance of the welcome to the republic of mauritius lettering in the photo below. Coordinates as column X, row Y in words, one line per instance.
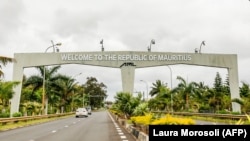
column 124, row 57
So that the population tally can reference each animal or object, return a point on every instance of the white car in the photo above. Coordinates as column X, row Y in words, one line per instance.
column 81, row 112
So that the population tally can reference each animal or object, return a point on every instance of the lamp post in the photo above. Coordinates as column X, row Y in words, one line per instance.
column 151, row 42
column 202, row 43
column 171, row 83
column 55, row 49
column 101, row 42
column 146, row 86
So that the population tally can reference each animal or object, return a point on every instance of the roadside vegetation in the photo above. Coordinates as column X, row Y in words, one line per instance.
column 186, row 97
column 64, row 94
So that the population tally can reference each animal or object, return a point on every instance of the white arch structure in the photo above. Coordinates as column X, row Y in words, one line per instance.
column 127, row 61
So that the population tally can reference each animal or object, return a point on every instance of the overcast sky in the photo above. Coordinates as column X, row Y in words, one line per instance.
column 128, row 25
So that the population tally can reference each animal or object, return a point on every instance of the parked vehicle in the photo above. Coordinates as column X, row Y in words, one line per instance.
column 81, row 112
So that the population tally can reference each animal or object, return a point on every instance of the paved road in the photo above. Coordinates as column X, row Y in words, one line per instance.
column 97, row 127
column 201, row 122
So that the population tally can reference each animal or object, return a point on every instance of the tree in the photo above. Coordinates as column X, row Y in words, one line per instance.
column 3, row 62
column 245, row 90
column 95, row 91
column 65, row 88
column 6, row 92
column 126, row 103
column 162, row 99
column 157, row 87
column 219, row 93
column 185, row 89
column 200, row 96
column 218, row 84
column 36, row 81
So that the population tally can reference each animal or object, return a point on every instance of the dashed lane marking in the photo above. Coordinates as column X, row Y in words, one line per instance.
column 122, row 136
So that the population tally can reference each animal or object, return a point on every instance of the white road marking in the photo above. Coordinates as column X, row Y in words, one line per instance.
column 53, row 131
column 123, row 137
column 118, row 129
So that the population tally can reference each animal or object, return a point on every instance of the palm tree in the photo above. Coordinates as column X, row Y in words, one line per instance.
column 126, row 103
column 158, row 86
column 65, row 89
column 200, row 95
column 6, row 92
column 185, row 89
column 36, row 81
column 4, row 61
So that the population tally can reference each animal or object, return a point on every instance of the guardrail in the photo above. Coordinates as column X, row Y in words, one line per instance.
column 4, row 121
column 212, row 115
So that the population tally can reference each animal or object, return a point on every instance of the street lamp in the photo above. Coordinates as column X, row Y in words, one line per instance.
column 151, row 42
column 55, row 49
column 101, row 42
column 146, row 86
column 171, row 83
column 202, row 43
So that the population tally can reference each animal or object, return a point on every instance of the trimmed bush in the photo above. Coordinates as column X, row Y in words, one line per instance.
column 17, row 114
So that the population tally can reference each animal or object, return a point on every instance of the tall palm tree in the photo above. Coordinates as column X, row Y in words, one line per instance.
column 200, row 95
column 185, row 89
column 65, row 89
column 36, row 81
column 4, row 61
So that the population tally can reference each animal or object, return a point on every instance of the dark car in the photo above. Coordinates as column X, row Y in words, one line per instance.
column 89, row 110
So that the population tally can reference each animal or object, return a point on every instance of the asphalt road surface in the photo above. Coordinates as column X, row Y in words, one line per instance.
column 97, row 127
column 201, row 122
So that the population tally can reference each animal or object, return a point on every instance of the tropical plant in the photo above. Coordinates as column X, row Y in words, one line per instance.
column 185, row 89
column 157, row 88
column 6, row 92
column 36, row 82
column 141, row 109
column 126, row 103
column 64, row 89
column 3, row 62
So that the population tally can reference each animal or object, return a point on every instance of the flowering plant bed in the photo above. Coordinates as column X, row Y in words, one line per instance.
column 142, row 122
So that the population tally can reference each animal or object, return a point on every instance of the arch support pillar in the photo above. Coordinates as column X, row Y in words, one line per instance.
column 234, row 88
column 15, row 101
column 128, row 75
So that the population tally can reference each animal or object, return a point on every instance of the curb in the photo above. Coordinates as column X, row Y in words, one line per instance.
column 138, row 135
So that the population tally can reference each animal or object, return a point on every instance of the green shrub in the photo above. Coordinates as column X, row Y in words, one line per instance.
column 17, row 114
column 4, row 115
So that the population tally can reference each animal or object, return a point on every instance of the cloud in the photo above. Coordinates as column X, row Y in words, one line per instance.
column 176, row 26
column 11, row 22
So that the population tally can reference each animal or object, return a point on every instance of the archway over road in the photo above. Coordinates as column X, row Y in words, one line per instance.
column 127, row 61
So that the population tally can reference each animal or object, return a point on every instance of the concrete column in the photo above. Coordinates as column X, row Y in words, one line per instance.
column 234, row 88
column 128, row 75
column 15, row 101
